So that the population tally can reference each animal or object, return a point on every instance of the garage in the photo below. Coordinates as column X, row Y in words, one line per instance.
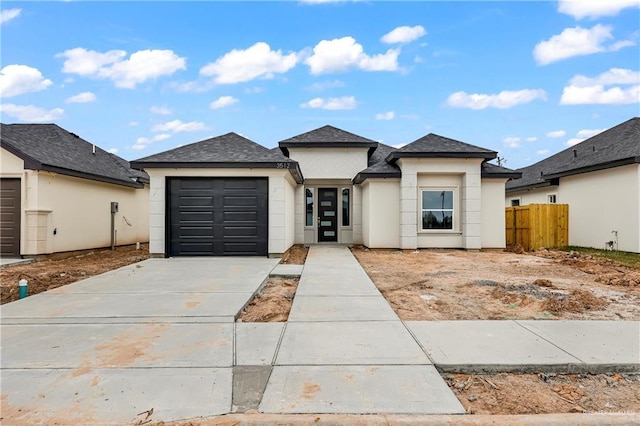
column 218, row 216
column 10, row 217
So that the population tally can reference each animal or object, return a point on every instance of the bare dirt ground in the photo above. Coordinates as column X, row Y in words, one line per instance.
column 296, row 255
column 55, row 272
column 273, row 303
column 460, row 285
column 546, row 393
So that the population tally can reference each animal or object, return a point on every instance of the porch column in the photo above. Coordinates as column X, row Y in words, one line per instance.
column 409, row 210
column 472, row 211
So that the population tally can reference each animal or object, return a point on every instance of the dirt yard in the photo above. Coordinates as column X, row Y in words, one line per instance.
column 273, row 303
column 296, row 255
column 460, row 285
column 54, row 272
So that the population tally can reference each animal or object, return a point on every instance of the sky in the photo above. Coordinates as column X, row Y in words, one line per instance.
column 524, row 78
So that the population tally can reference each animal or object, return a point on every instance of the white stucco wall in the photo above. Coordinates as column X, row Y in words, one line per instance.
column 381, row 213
column 599, row 202
column 79, row 211
column 281, row 203
column 10, row 165
column 493, row 215
column 330, row 163
column 421, row 172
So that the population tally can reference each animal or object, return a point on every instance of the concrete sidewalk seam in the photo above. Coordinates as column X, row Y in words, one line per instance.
column 548, row 341
column 419, row 344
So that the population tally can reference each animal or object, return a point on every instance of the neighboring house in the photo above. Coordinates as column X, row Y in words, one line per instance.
column 599, row 179
column 230, row 196
column 57, row 190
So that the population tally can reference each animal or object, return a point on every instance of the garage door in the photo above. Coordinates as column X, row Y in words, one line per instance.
column 218, row 216
column 10, row 217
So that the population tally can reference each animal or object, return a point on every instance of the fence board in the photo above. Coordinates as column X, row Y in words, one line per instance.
column 537, row 225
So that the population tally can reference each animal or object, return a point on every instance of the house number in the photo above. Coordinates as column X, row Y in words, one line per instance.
column 283, row 165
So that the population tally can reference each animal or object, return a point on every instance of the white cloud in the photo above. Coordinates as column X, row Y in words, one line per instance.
column 587, row 133
column 542, row 151
column 31, row 113
column 404, row 34
column 9, row 14
column 245, row 65
column 502, row 100
column 576, row 41
column 326, row 85
column 141, row 143
column 584, row 90
column 594, row 8
column 389, row 115
column 574, row 141
column 177, row 126
column 345, row 102
column 398, row 145
column 511, row 142
column 341, row 54
column 532, row 139
column 253, row 90
column 223, row 101
column 556, row 134
column 81, row 98
column 112, row 150
column 141, row 66
column 160, row 110
column 133, row 123
column 18, row 79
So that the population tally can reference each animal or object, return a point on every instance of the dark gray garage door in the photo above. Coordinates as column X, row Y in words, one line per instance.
column 10, row 217
column 218, row 216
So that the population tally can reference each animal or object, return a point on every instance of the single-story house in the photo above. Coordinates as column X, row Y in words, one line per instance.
column 599, row 179
column 230, row 196
column 57, row 192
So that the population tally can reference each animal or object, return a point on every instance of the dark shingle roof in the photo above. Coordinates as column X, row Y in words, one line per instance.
column 226, row 151
column 436, row 146
column 378, row 167
column 52, row 148
column 489, row 170
column 615, row 147
column 327, row 137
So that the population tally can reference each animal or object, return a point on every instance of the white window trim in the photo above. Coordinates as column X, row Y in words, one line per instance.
column 553, row 194
column 518, row 199
column 455, row 210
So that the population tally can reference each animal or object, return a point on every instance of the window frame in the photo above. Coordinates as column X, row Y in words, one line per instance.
column 554, row 197
column 349, row 197
column 455, row 228
column 516, row 200
column 306, row 206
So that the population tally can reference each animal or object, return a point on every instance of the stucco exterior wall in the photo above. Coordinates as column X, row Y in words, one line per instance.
column 601, row 202
column 420, row 173
column 281, row 215
column 381, row 213
column 330, row 163
column 63, row 213
column 534, row 196
column 493, row 215
column 10, row 165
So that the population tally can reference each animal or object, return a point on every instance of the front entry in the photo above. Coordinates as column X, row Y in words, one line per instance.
column 327, row 214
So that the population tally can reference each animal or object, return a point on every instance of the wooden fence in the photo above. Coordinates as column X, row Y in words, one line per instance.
column 538, row 225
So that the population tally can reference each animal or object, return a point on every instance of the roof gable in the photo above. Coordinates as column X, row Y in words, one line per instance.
column 327, row 137
column 614, row 147
column 52, row 148
column 225, row 151
column 436, row 146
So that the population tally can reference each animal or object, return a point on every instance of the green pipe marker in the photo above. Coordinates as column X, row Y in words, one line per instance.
column 22, row 284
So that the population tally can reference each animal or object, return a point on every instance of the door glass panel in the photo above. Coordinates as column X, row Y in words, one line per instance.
column 325, row 223
column 329, row 234
column 309, row 196
column 345, row 206
column 325, row 203
column 329, row 213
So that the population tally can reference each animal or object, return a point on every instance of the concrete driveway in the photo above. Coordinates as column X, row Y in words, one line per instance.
column 158, row 335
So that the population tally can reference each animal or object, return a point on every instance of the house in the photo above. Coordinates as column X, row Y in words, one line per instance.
column 57, row 192
column 230, row 196
column 599, row 179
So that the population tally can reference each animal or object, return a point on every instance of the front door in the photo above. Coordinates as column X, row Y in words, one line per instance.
column 327, row 214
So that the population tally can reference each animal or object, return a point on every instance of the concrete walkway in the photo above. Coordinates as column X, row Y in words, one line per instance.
column 160, row 335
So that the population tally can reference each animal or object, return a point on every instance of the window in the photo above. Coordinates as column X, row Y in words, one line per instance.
column 437, row 209
column 515, row 202
column 309, row 196
column 345, row 206
column 551, row 198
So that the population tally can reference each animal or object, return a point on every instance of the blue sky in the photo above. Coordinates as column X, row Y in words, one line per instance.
column 527, row 79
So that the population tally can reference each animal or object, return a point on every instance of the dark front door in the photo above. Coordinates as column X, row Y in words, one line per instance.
column 327, row 214
column 10, row 217
column 218, row 216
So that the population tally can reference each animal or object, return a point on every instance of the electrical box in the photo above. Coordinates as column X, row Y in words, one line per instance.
column 114, row 207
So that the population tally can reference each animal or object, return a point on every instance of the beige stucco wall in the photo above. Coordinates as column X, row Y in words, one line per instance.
column 330, row 163
column 599, row 202
column 419, row 172
column 281, row 203
column 381, row 213
column 10, row 165
column 493, row 215
column 79, row 212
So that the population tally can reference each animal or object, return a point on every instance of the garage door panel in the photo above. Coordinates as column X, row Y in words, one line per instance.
column 10, row 217
column 218, row 216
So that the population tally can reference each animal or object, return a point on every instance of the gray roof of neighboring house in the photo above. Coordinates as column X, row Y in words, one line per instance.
column 327, row 136
column 226, row 151
column 436, row 146
column 52, row 148
column 489, row 170
column 618, row 146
